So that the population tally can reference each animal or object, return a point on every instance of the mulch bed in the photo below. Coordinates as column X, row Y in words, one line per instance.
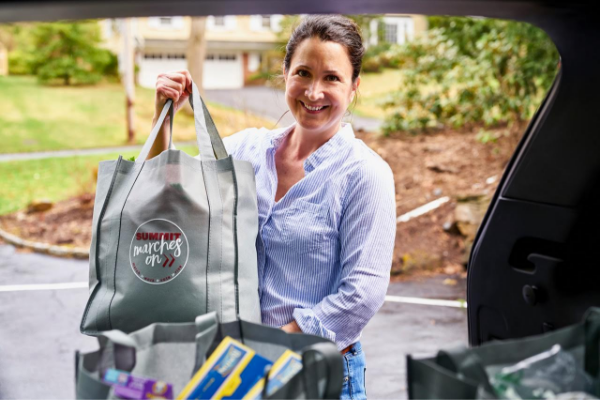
column 425, row 167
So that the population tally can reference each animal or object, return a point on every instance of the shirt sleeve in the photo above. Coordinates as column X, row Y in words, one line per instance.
column 367, row 234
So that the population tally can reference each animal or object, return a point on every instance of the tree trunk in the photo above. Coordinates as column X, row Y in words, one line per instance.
column 196, row 50
column 128, row 78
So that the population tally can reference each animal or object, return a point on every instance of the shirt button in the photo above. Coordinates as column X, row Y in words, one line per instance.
column 345, row 379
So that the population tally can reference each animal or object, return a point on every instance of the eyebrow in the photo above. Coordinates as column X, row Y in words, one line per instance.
column 331, row 71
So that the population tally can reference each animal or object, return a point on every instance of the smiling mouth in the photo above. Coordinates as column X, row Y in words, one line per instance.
column 311, row 108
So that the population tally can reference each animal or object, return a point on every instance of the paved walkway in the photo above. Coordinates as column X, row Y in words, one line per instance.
column 76, row 152
column 263, row 101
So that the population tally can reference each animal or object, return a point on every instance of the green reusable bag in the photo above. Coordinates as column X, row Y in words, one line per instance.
column 174, row 352
column 173, row 237
column 463, row 373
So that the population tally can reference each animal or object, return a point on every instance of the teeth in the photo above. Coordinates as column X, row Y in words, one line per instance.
column 313, row 108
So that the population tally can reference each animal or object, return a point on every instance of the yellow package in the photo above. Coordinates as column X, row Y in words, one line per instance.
column 284, row 369
column 229, row 372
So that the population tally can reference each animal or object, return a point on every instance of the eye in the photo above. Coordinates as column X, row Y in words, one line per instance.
column 332, row 78
column 302, row 73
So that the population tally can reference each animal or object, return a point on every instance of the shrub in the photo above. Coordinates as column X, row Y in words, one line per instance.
column 472, row 71
column 371, row 65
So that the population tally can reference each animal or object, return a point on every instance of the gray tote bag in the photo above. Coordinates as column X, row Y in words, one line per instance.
column 174, row 352
column 174, row 236
column 463, row 373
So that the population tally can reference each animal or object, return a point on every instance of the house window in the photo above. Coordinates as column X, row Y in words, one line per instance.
column 166, row 22
column 265, row 21
column 390, row 33
column 150, row 56
column 210, row 57
column 227, row 57
column 396, row 30
column 219, row 21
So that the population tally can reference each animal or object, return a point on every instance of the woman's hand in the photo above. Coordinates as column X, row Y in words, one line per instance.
column 292, row 327
column 176, row 85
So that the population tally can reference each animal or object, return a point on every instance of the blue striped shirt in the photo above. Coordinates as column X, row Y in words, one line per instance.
column 325, row 248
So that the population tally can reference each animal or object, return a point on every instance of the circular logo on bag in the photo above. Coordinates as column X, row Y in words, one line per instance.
column 159, row 251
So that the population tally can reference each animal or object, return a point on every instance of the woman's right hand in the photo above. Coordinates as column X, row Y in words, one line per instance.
column 175, row 85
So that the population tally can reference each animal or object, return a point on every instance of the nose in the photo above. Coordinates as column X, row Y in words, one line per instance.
column 313, row 91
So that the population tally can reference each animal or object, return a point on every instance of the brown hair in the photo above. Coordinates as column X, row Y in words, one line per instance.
column 328, row 28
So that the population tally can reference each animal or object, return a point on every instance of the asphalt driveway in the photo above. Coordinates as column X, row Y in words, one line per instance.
column 40, row 328
column 270, row 103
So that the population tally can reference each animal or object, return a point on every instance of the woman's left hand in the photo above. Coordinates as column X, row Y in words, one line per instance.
column 292, row 327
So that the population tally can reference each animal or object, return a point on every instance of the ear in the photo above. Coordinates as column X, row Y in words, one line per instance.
column 355, row 85
column 284, row 73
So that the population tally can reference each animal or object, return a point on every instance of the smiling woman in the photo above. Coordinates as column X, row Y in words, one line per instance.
column 326, row 202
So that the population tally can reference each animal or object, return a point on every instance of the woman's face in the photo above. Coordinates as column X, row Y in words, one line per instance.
column 319, row 85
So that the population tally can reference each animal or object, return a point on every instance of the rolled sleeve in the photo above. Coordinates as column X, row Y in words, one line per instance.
column 367, row 235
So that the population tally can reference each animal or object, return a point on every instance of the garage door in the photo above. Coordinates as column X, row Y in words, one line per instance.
column 223, row 71
column 153, row 64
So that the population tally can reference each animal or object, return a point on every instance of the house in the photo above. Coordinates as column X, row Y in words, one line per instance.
column 236, row 44
column 235, row 47
column 396, row 28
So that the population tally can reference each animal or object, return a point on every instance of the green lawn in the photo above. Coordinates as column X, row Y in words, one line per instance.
column 51, row 178
column 37, row 118
column 373, row 88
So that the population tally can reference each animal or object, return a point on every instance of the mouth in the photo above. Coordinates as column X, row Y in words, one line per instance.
column 313, row 109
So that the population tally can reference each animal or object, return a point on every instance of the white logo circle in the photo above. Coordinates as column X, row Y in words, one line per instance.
column 159, row 251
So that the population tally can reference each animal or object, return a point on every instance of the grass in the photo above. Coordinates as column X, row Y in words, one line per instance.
column 53, row 179
column 39, row 118
column 374, row 87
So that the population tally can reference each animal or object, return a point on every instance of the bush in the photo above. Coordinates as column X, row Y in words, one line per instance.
column 472, row 71
column 19, row 63
column 68, row 53
column 371, row 65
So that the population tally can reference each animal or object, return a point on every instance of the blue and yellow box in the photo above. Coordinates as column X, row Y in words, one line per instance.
column 229, row 373
column 284, row 369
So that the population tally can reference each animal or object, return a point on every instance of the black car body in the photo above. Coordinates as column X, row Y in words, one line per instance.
column 533, row 266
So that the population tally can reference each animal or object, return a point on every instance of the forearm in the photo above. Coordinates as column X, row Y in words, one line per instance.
column 342, row 316
column 162, row 140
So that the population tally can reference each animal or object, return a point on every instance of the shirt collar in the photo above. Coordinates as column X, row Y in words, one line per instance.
column 327, row 151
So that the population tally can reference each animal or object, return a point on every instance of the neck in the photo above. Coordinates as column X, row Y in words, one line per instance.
column 303, row 143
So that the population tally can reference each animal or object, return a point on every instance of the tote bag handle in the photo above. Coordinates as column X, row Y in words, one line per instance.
column 208, row 139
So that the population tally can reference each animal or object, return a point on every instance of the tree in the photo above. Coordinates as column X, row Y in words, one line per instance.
column 196, row 50
column 69, row 53
column 472, row 71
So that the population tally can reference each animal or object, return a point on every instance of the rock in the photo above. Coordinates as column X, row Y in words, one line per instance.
column 86, row 198
column 39, row 206
column 451, row 228
column 442, row 168
column 452, row 269
column 468, row 214
column 437, row 192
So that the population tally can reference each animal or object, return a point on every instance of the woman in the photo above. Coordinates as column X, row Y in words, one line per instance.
column 326, row 202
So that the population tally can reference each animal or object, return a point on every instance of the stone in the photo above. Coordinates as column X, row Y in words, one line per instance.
column 39, row 206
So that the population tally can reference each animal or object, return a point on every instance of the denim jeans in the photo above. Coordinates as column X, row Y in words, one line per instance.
column 355, row 367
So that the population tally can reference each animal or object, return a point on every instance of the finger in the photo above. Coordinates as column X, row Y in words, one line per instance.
column 179, row 77
column 189, row 81
column 170, row 80
column 168, row 92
